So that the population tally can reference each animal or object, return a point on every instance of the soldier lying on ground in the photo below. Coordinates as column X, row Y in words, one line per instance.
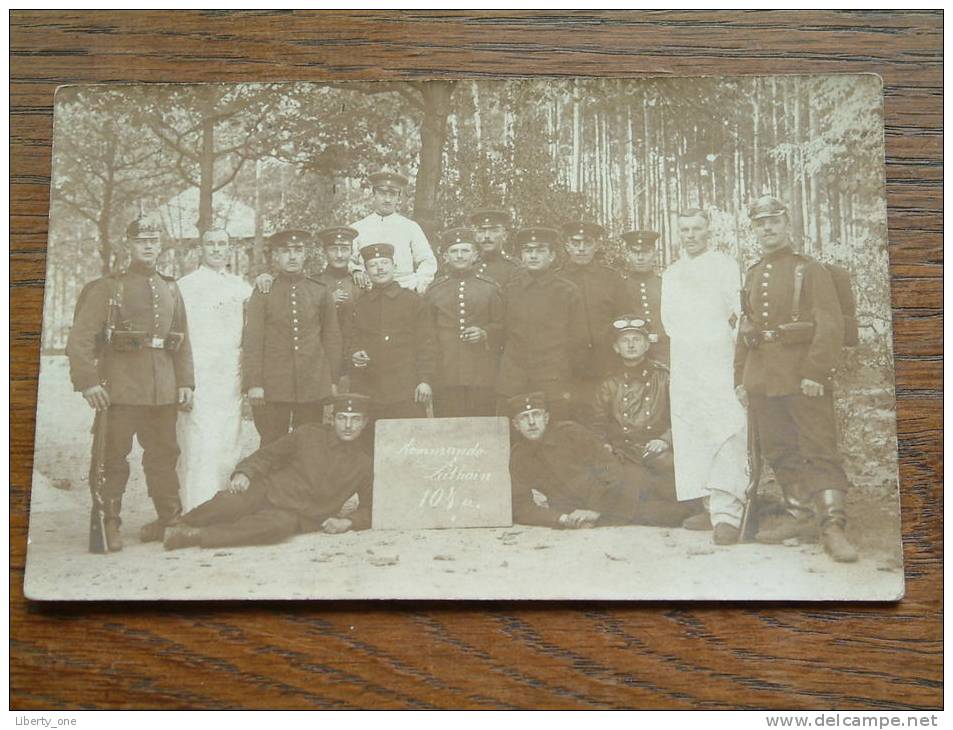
column 296, row 484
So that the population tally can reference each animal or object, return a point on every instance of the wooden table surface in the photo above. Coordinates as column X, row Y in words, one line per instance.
column 423, row 655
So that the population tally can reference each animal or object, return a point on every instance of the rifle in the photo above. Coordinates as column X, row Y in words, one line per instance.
column 97, row 480
column 749, row 525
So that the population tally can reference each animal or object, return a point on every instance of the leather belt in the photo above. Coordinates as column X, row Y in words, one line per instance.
column 156, row 343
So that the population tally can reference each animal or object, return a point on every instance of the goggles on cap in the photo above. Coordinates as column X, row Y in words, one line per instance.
column 624, row 324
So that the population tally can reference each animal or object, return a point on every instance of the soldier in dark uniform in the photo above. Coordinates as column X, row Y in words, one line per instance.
column 129, row 352
column 645, row 287
column 491, row 226
column 392, row 348
column 604, row 297
column 561, row 475
column 291, row 345
column 632, row 419
column 784, row 362
column 296, row 484
column 467, row 312
column 337, row 243
column 545, row 334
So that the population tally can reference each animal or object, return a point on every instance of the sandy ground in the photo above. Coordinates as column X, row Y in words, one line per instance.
column 501, row 563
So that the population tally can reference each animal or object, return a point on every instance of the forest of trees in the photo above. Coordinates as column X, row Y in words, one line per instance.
column 627, row 153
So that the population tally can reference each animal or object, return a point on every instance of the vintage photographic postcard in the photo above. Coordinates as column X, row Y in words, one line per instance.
column 564, row 338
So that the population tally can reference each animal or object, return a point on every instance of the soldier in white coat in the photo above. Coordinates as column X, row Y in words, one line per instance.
column 415, row 265
column 208, row 435
column 700, row 310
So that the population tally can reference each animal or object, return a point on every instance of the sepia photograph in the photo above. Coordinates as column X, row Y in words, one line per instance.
column 551, row 339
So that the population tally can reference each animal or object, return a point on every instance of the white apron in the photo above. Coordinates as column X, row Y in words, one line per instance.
column 709, row 427
column 209, row 434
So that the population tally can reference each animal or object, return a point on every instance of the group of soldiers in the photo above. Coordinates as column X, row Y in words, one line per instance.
column 574, row 353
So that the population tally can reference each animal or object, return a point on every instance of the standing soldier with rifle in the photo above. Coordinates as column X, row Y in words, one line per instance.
column 790, row 343
column 129, row 353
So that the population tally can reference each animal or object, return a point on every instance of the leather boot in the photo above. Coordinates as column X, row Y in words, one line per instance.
column 180, row 535
column 833, row 519
column 169, row 510
column 111, row 524
column 794, row 523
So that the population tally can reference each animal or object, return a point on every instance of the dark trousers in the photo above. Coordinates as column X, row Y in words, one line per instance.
column 154, row 428
column 653, row 479
column 799, row 440
column 244, row 518
column 461, row 401
column 274, row 419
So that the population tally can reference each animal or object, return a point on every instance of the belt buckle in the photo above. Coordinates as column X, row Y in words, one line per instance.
column 157, row 343
column 769, row 336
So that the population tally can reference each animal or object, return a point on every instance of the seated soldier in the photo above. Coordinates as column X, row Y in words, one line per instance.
column 632, row 420
column 296, row 484
column 564, row 463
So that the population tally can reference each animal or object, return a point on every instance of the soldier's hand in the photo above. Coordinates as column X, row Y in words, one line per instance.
column 336, row 525
column 742, row 395
column 811, row 389
column 185, row 399
column 656, row 446
column 473, row 334
column 256, row 396
column 582, row 518
column 341, row 296
column 263, row 282
column 362, row 279
column 97, row 397
column 423, row 393
column 238, row 483
column 360, row 359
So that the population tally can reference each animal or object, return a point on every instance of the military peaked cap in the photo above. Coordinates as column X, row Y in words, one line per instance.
column 336, row 234
column 142, row 228
column 766, row 207
column 377, row 251
column 351, row 403
column 392, row 180
column 526, row 402
column 489, row 217
column 628, row 323
column 288, row 237
column 457, row 235
column 640, row 240
column 537, row 237
column 583, row 228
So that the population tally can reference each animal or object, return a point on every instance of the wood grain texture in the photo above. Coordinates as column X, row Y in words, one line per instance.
column 588, row 655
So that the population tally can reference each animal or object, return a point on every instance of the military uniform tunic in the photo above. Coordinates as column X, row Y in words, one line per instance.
column 569, row 466
column 459, row 301
column 291, row 347
column 393, row 326
column 340, row 280
column 149, row 303
column 545, row 337
column 142, row 378
column 798, row 433
column 297, row 482
column 632, row 409
column 497, row 266
column 645, row 300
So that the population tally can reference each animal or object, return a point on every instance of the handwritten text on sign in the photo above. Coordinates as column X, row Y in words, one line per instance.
column 442, row 472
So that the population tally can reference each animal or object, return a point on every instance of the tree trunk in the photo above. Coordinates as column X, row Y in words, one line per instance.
column 433, row 134
column 206, row 175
